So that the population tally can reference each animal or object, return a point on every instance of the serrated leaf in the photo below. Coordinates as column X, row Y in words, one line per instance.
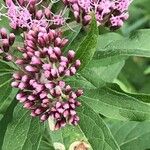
column 24, row 132
column 137, row 44
column 91, row 130
column 87, row 47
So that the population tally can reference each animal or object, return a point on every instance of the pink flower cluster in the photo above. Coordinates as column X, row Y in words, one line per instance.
column 111, row 13
column 43, row 89
column 25, row 14
column 6, row 41
column 42, row 68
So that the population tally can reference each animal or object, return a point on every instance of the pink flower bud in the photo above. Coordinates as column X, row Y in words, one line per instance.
column 31, row 69
column 46, row 66
column 3, row 33
column 14, row 84
column 21, row 86
column 57, row 51
column 35, row 61
column 16, row 76
column 77, row 64
column 49, row 85
column 47, row 13
column 44, row 117
column 71, row 55
column 11, row 39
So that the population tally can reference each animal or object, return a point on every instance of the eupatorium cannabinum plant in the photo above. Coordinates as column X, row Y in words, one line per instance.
column 62, row 74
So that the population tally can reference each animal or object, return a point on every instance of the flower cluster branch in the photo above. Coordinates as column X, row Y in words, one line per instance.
column 43, row 67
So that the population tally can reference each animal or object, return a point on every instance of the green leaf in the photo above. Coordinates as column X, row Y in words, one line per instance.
column 117, row 105
column 91, row 130
column 95, row 129
column 7, row 93
column 120, row 87
column 4, row 22
column 147, row 71
column 6, row 119
column 100, row 72
column 131, row 135
column 24, row 132
column 46, row 142
column 97, row 73
column 65, row 137
column 137, row 44
column 71, row 36
column 6, row 67
column 87, row 47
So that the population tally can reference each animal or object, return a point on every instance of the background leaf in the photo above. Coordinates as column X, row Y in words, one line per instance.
column 131, row 135
column 113, row 104
column 87, row 47
column 137, row 44
column 6, row 119
column 23, row 132
column 7, row 93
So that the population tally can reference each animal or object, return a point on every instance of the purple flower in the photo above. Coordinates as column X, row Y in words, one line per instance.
column 41, row 78
column 109, row 13
column 18, row 16
column 27, row 15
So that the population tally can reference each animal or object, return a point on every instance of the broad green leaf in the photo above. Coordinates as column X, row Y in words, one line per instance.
column 91, row 130
column 131, row 135
column 120, row 87
column 6, row 67
column 95, row 129
column 87, row 47
column 7, row 93
column 133, row 72
column 117, row 105
column 6, row 119
column 97, row 73
column 24, row 132
column 79, row 81
column 137, row 44
column 100, row 72
column 144, row 5
column 46, row 142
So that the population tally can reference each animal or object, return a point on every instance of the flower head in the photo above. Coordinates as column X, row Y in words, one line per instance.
column 41, row 81
column 27, row 15
column 109, row 13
